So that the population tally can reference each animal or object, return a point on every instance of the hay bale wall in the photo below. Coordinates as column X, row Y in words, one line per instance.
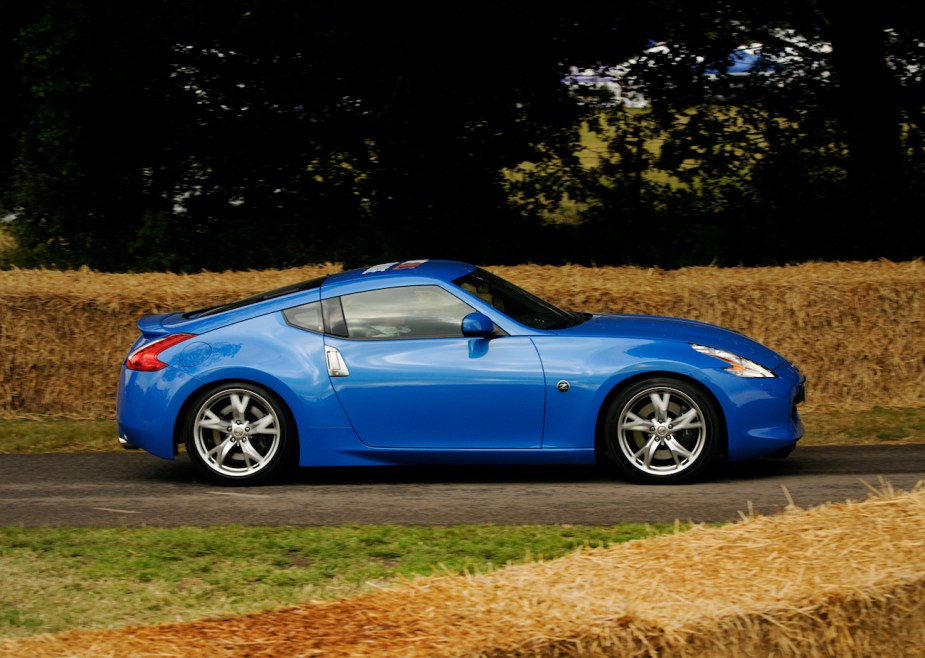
column 842, row 579
column 64, row 335
column 855, row 329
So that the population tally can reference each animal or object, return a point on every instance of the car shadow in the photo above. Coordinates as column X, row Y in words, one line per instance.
column 446, row 474
column 720, row 470
column 182, row 471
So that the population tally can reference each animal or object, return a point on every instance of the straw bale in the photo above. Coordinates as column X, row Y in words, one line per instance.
column 845, row 579
column 64, row 334
column 856, row 329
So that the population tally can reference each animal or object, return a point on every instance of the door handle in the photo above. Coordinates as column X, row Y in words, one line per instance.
column 335, row 361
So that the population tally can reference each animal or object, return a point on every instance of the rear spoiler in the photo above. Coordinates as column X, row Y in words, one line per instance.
column 152, row 325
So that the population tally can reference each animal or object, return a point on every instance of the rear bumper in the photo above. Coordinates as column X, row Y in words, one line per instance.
column 125, row 443
column 147, row 407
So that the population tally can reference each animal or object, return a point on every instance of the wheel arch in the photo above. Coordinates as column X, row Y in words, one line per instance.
column 183, row 414
column 600, row 441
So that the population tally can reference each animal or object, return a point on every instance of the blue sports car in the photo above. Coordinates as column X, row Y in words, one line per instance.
column 436, row 361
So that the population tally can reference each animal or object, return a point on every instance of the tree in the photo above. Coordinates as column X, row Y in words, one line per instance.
column 816, row 140
column 188, row 134
column 249, row 134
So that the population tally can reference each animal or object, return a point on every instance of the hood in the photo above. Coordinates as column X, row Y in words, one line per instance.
column 655, row 327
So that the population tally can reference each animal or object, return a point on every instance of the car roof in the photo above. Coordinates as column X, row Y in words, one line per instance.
column 399, row 273
column 402, row 272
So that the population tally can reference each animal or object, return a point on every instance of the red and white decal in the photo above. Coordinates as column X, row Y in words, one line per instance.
column 378, row 268
column 409, row 264
column 406, row 265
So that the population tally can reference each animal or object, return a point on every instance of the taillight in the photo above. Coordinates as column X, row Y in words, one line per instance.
column 145, row 358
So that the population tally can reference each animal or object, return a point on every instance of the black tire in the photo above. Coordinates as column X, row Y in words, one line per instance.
column 237, row 433
column 662, row 430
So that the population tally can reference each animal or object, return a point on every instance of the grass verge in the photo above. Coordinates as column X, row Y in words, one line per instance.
column 37, row 435
column 56, row 579
column 871, row 427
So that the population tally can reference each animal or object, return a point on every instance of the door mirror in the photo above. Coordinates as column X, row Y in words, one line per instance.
column 477, row 325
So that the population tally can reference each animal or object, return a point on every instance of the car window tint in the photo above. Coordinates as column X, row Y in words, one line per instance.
column 407, row 312
column 333, row 317
column 517, row 303
column 306, row 316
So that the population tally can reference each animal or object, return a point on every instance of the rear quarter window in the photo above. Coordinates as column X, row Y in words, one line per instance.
column 306, row 316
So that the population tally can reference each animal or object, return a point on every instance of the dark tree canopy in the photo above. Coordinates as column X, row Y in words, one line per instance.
column 186, row 135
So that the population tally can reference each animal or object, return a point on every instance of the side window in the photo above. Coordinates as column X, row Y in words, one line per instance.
column 408, row 312
column 333, row 317
column 306, row 316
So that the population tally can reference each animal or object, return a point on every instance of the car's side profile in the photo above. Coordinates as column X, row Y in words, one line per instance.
column 425, row 362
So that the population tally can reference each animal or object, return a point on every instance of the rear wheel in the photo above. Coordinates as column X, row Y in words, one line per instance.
column 238, row 433
column 662, row 430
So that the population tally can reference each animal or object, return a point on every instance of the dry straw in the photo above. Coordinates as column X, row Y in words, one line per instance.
column 856, row 329
column 843, row 579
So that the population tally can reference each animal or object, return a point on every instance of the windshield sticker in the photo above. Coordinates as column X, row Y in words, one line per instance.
column 406, row 265
column 410, row 264
column 378, row 268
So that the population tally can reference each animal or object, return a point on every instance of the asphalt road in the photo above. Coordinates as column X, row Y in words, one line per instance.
column 135, row 489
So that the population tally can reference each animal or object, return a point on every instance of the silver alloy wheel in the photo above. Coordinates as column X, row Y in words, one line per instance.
column 236, row 433
column 661, row 431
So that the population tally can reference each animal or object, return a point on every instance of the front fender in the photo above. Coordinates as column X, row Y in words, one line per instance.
column 595, row 368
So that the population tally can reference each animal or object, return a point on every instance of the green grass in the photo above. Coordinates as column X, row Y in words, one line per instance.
column 870, row 427
column 61, row 578
column 38, row 435
column 875, row 426
column 56, row 579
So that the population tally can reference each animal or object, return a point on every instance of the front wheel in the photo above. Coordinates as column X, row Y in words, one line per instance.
column 662, row 431
column 238, row 433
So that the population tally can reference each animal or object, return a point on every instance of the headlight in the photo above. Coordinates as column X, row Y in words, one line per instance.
column 738, row 365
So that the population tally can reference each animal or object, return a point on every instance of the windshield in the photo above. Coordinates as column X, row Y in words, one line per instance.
column 516, row 303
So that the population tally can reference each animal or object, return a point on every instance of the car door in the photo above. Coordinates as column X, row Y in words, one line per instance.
column 408, row 378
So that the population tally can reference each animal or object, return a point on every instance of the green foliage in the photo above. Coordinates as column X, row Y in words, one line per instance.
column 189, row 135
